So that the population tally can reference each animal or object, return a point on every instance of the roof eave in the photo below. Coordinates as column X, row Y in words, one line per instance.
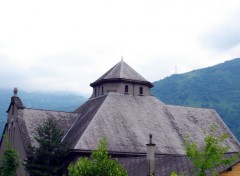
column 114, row 80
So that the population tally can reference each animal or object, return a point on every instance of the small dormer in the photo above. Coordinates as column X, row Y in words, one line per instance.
column 121, row 79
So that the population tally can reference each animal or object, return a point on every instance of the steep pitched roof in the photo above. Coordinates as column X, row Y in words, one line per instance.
column 122, row 72
column 17, row 101
column 127, row 121
column 86, row 112
column 30, row 119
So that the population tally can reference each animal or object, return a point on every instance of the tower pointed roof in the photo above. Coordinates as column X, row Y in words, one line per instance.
column 122, row 72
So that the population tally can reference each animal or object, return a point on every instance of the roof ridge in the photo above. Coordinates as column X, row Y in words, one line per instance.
column 23, row 131
column 71, row 127
column 225, row 127
column 111, row 70
column 90, row 121
column 121, row 69
column 49, row 110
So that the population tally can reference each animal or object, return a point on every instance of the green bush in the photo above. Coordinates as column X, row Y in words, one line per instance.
column 100, row 164
column 10, row 161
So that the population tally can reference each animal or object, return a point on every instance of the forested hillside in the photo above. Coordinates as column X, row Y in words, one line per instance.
column 216, row 87
column 39, row 100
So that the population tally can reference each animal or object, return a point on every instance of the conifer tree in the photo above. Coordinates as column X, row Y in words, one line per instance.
column 10, row 161
column 47, row 158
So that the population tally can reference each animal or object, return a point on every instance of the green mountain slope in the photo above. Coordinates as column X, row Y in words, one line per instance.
column 216, row 87
column 39, row 100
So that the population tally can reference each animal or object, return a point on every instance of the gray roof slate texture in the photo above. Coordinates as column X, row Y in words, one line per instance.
column 85, row 114
column 127, row 121
column 164, row 165
column 30, row 119
column 122, row 71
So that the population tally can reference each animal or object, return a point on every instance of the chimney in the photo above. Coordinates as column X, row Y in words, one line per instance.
column 151, row 156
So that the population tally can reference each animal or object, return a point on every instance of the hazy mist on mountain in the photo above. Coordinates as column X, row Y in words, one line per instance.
column 60, row 101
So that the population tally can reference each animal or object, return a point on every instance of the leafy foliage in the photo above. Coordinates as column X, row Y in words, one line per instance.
column 209, row 156
column 48, row 157
column 100, row 164
column 173, row 173
column 216, row 87
column 10, row 161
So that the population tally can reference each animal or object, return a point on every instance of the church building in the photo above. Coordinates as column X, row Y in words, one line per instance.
column 121, row 108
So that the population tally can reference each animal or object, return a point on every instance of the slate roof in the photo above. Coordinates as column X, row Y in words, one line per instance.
column 86, row 112
column 29, row 119
column 127, row 120
column 122, row 72
column 164, row 165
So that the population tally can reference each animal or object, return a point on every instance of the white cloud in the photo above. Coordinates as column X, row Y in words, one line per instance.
column 225, row 35
column 65, row 45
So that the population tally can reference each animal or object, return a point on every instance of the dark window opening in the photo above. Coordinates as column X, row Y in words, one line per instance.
column 140, row 90
column 95, row 92
column 102, row 90
column 126, row 88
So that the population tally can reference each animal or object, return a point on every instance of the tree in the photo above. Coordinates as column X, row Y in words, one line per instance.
column 48, row 157
column 100, row 164
column 174, row 173
column 10, row 161
column 210, row 155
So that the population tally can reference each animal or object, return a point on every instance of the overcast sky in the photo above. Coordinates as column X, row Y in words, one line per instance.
column 64, row 45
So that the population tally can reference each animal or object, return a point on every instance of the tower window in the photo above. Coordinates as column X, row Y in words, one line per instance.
column 140, row 90
column 126, row 88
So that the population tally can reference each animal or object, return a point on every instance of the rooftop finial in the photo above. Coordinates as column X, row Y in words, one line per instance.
column 15, row 91
column 122, row 59
column 150, row 138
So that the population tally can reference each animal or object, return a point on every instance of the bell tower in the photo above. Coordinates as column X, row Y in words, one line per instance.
column 121, row 79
